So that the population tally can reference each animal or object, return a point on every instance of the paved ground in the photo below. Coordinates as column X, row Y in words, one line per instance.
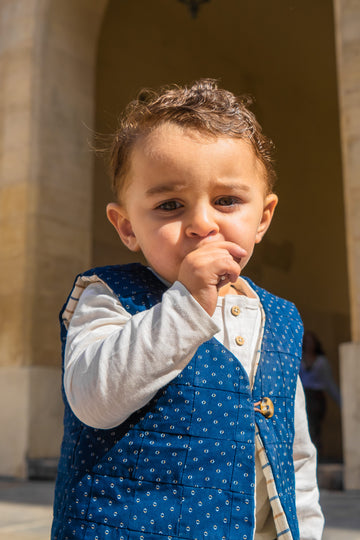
column 25, row 512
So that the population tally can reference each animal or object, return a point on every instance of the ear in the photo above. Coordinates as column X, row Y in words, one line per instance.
column 117, row 216
column 270, row 203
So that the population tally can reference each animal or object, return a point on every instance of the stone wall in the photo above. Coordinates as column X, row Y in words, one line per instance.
column 47, row 60
column 347, row 20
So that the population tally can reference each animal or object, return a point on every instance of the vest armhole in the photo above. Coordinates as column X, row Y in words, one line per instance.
column 80, row 285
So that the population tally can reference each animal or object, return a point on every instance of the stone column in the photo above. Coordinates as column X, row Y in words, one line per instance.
column 347, row 28
column 47, row 64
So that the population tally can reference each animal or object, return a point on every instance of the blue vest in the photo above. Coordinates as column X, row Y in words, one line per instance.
column 183, row 466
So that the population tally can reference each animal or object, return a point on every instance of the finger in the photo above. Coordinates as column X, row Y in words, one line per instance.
column 229, row 271
column 236, row 251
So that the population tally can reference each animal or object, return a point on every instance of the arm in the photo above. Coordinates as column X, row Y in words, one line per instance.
column 311, row 520
column 115, row 363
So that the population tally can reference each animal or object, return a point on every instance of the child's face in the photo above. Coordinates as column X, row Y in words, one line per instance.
column 185, row 190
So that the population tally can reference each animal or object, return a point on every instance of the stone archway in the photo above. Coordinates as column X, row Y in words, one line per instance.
column 295, row 85
column 47, row 66
column 47, row 69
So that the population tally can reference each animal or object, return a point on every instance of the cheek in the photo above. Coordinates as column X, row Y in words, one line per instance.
column 158, row 238
column 246, row 259
column 245, row 231
column 169, row 232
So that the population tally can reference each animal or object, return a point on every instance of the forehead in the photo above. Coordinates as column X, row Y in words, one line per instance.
column 173, row 153
column 170, row 145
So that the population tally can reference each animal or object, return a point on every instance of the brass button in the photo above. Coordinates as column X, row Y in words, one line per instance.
column 235, row 310
column 239, row 340
column 265, row 406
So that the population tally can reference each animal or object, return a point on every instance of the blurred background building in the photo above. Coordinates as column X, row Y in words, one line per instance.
column 67, row 68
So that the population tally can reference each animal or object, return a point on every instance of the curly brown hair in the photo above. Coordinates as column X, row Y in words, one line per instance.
column 203, row 107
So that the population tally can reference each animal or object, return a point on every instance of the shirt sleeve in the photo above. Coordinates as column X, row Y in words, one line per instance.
column 310, row 517
column 115, row 363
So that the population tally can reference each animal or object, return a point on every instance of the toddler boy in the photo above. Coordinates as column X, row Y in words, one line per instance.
column 185, row 418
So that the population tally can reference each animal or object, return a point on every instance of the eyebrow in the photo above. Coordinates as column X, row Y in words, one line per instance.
column 234, row 187
column 167, row 188
column 164, row 188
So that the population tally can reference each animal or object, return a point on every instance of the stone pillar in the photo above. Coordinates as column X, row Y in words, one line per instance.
column 47, row 65
column 350, row 386
column 347, row 28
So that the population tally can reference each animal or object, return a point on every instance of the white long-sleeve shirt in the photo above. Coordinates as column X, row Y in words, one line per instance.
column 115, row 363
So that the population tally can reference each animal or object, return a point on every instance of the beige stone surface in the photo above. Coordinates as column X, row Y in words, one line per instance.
column 14, row 420
column 64, row 162
column 45, row 411
column 347, row 26
column 16, row 53
column 47, row 61
column 350, row 389
column 31, row 410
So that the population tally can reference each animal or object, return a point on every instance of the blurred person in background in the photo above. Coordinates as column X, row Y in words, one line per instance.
column 317, row 379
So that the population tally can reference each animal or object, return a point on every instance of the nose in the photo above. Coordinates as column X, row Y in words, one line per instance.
column 202, row 222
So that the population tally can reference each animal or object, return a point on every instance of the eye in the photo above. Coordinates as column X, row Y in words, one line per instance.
column 227, row 201
column 169, row 206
